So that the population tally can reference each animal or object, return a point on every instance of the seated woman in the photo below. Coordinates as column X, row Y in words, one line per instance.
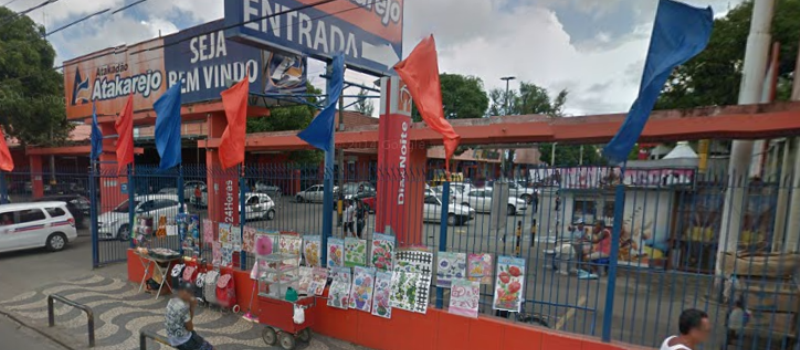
column 600, row 244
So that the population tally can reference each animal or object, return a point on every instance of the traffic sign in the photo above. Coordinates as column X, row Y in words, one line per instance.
column 370, row 33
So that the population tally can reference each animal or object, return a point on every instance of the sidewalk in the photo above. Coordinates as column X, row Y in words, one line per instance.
column 16, row 336
column 121, row 313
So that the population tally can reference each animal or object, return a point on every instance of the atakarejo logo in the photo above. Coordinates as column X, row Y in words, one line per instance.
column 80, row 89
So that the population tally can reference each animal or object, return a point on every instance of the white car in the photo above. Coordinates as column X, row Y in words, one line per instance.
column 114, row 224
column 259, row 206
column 188, row 192
column 521, row 192
column 456, row 214
column 314, row 194
column 481, row 201
column 36, row 225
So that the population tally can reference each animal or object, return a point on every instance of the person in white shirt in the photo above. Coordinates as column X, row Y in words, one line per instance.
column 349, row 219
column 694, row 330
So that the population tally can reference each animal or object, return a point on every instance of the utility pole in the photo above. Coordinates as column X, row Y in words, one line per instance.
column 503, row 152
column 755, row 63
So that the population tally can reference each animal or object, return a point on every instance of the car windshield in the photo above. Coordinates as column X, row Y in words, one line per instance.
column 123, row 207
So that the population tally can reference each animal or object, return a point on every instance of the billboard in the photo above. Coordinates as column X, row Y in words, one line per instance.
column 370, row 33
column 201, row 58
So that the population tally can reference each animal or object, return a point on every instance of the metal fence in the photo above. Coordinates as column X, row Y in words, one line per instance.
column 626, row 280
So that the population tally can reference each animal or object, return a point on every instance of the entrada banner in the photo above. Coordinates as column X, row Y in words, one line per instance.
column 200, row 57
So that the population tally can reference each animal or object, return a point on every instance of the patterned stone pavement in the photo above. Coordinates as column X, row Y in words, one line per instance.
column 121, row 313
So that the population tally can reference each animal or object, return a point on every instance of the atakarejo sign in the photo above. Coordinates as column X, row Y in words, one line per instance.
column 369, row 32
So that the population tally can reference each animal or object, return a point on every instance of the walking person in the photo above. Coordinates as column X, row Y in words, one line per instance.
column 349, row 219
column 198, row 196
column 694, row 328
column 179, row 321
column 362, row 213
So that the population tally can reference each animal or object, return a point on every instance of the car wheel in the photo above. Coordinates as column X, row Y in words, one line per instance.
column 124, row 233
column 512, row 210
column 299, row 199
column 269, row 215
column 56, row 242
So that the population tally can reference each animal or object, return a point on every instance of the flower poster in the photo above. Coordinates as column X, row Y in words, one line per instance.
column 236, row 238
column 361, row 290
column 319, row 278
column 464, row 298
column 355, row 252
column 216, row 253
column 290, row 244
column 382, row 251
column 224, row 233
column 335, row 252
column 249, row 239
column 381, row 294
column 227, row 254
column 508, row 287
column 312, row 250
column 416, row 261
column 409, row 292
column 208, row 231
column 306, row 276
column 265, row 243
column 450, row 266
column 479, row 268
column 339, row 293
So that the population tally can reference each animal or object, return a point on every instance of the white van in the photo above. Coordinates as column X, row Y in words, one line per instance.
column 36, row 225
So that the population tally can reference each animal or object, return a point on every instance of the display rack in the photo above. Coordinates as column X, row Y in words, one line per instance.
column 276, row 273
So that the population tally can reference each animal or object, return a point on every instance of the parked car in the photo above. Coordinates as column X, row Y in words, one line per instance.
column 36, row 225
column 313, row 194
column 77, row 205
column 438, row 191
column 259, row 206
column 456, row 214
column 265, row 187
column 114, row 224
column 515, row 190
column 188, row 192
column 481, row 200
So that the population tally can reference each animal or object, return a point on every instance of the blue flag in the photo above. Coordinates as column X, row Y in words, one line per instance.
column 680, row 32
column 168, row 127
column 97, row 136
column 320, row 132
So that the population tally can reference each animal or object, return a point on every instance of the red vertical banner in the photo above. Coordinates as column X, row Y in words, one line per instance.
column 223, row 184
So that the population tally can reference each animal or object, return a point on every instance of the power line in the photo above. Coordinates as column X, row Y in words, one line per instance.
column 78, row 21
column 123, row 8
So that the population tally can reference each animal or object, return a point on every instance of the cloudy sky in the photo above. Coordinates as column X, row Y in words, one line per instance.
column 593, row 48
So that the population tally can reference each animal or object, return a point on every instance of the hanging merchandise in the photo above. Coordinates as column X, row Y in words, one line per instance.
column 210, row 287
column 236, row 238
column 162, row 227
column 355, row 252
column 189, row 274
column 249, row 239
column 216, row 253
column 338, row 294
column 381, row 294
column 479, row 268
column 319, row 278
column 176, row 274
column 335, row 252
column 266, row 243
column 465, row 298
column 306, row 276
column 291, row 245
column 224, row 233
column 361, row 290
column 508, row 289
column 208, row 231
column 226, row 291
column 382, row 251
column 450, row 266
column 226, row 253
column 411, row 280
column 311, row 250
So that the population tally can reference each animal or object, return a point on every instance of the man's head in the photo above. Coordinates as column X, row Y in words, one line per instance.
column 599, row 225
column 579, row 224
column 186, row 292
column 694, row 325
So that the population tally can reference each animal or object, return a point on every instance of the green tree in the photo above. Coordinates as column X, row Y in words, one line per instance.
column 295, row 117
column 363, row 104
column 31, row 91
column 462, row 97
column 713, row 77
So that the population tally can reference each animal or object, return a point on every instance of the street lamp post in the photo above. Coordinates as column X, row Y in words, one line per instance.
column 503, row 152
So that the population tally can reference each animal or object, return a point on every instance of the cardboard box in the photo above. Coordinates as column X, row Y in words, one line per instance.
column 766, row 296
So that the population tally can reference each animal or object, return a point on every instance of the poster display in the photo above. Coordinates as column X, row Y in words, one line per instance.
column 306, row 276
column 266, row 243
column 508, row 289
column 224, row 232
column 335, row 252
column 361, row 291
column 381, row 294
column 382, row 251
column 312, row 250
column 208, row 231
column 249, row 239
column 216, row 253
column 355, row 252
column 289, row 244
column 339, row 293
column 480, row 268
column 319, row 278
column 465, row 298
column 226, row 252
column 411, row 280
column 450, row 266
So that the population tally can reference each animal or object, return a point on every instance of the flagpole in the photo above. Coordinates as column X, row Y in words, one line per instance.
column 327, row 201
column 242, row 216
column 93, row 211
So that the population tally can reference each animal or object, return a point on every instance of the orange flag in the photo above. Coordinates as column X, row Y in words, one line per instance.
column 420, row 72
column 124, row 126
column 6, row 162
column 234, row 100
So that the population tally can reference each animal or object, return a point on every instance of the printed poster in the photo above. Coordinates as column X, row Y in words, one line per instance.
column 306, row 276
column 355, row 252
column 291, row 245
column 172, row 230
column 361, row 291
column 319, row 278
column 508, row 288
column 266, row 243
column 216, row 253
column 249, row 239
column 465, row 298
column 227, row 254
column 208, row 231
column 381, row 294
column 411, row 280
column 416, row 261
column 224, row 233
column 480, row 268
column 382, row 251
column 311, row 250
column 339, row 293
column 335, row 252
column 236, row 238
column 450, row 266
